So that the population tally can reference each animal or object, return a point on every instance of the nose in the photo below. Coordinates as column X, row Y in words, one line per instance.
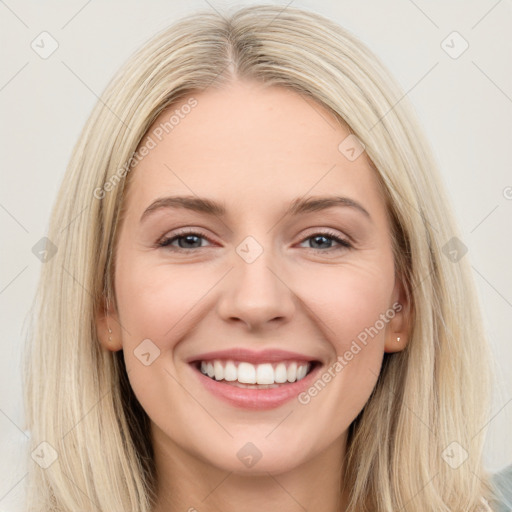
column 256, row 294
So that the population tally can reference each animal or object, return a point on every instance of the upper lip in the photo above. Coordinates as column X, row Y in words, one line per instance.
column 251, row 356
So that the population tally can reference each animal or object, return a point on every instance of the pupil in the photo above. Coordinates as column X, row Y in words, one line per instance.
column 189, row 239
column 319, row 238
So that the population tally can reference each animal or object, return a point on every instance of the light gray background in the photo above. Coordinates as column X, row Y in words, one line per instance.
column 464, row 104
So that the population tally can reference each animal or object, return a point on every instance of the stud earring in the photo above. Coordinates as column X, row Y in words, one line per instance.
column 398, row 339
column 109, row 335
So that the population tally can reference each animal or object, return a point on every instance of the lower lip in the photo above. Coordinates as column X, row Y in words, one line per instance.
column 257, row 399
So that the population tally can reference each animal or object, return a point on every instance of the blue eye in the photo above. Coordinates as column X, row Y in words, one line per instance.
column 191, row 240
column 188, row 237
column 324, row 237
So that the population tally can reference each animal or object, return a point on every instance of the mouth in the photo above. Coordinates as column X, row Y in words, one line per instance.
column 256, row 387
column 243, row 374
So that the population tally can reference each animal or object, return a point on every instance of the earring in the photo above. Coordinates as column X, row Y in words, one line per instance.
column 109, row 329
column 398, row 339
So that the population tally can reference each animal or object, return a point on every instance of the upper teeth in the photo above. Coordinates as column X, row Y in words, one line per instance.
column 248, row 373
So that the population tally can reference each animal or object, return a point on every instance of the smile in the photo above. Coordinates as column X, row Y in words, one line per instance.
column 257, row 375
column 256, row 387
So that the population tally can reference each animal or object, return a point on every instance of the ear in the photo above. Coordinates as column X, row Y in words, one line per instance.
column 108, row 327
column 399, row 327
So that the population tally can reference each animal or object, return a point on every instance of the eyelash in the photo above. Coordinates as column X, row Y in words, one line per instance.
column 165, row 242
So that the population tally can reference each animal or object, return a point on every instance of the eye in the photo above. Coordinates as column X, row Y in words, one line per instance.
column 187, row 241
column 322, row 238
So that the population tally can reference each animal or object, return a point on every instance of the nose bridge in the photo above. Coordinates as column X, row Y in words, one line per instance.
column 255, row 292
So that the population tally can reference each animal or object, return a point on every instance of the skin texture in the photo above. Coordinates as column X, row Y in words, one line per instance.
column 255, row 149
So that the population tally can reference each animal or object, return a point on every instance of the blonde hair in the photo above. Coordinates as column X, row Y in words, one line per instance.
column 430, row 395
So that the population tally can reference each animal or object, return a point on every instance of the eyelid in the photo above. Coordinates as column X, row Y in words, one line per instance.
column 181, row 233
column 330, row 231
column 344, row 242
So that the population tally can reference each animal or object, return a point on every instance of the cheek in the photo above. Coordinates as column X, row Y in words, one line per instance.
column 354, row 307
column 350, row 299
column 158, row 301
column 349, row 305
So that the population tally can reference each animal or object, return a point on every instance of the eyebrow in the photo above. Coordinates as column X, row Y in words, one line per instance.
column 214, row 208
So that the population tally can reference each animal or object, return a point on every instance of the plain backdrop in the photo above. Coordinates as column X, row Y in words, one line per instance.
column 463, row 103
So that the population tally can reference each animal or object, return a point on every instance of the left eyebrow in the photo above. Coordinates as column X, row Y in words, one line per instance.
column 214, row 208
column 314, row 204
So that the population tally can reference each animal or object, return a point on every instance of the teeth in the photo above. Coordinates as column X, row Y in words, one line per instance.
column 292, row 372
column 219, row 370
column 230, row 373
column 264, row 374
column 301, row 372
column 280, row 374
column 247, row 373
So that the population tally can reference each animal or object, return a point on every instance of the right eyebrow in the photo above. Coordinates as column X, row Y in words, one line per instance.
column 197, row 204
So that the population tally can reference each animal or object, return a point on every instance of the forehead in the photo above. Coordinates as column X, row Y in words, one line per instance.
column 250, row 145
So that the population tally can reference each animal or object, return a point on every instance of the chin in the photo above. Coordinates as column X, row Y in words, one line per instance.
column 275, row 464
column 258, row 457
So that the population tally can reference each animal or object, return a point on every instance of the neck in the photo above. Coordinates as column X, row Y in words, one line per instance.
column 188, row 483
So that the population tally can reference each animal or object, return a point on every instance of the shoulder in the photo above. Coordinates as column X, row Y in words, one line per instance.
column 502, row 483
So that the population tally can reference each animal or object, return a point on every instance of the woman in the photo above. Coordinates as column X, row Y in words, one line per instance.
column 310, row 351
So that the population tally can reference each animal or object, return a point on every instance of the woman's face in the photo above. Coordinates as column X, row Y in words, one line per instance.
column 261, row 278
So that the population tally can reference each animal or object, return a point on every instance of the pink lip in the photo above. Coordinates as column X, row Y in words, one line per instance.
column 243, row 354
column 257, row 399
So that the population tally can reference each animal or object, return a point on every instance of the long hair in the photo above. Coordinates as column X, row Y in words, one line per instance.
column 428, row 408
